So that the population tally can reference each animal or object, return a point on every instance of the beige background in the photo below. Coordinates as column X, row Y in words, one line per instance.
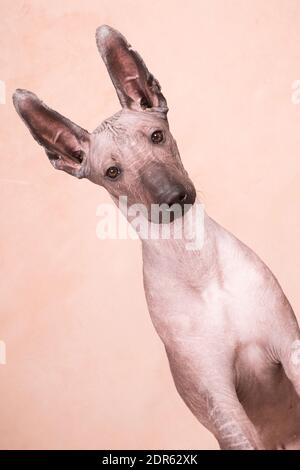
column 85, row 368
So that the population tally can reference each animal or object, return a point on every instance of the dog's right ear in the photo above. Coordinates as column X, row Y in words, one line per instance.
column 66, row 144
column 136, row 87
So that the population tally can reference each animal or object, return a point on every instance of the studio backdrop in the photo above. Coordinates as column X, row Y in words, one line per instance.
column 81, row 364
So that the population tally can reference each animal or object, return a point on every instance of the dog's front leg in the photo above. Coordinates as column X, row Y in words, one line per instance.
column 230, row 424
column 208, row 389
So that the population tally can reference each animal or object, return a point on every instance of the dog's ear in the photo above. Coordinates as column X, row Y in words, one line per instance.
column 65, row 143
column 135, row 85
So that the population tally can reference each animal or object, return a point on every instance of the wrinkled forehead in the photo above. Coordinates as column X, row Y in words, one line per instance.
column 124, row 128
column 131, row 121
column 135, row 119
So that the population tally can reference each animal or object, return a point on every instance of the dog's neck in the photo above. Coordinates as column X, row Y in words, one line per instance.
column 189, row 241
column 197, row 247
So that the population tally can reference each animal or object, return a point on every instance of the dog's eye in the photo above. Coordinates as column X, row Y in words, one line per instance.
column 113, row 172
column 157, row 137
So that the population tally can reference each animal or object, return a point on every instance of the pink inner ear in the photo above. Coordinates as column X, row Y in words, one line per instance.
column 52, row 130
column 126, row 74
column 135, row 86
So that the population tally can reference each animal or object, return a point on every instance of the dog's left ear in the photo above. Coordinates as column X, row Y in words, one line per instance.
column 66, row 144
column 136, row 87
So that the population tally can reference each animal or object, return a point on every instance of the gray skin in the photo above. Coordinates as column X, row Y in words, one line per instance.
column 228, row 329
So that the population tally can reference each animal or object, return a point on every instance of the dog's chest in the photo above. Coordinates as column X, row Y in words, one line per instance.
column 178, row 307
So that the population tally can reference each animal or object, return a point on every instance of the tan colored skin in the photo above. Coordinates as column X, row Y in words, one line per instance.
column 227, row 327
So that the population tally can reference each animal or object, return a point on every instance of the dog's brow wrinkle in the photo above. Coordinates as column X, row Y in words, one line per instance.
column 111, row 125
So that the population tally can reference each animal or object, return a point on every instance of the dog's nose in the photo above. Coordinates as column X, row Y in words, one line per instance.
column 178, row 195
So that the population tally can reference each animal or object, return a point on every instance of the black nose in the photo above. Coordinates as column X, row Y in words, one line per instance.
column 177, row 195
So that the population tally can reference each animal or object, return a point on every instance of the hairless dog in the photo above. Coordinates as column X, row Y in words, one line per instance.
column 230, row 334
